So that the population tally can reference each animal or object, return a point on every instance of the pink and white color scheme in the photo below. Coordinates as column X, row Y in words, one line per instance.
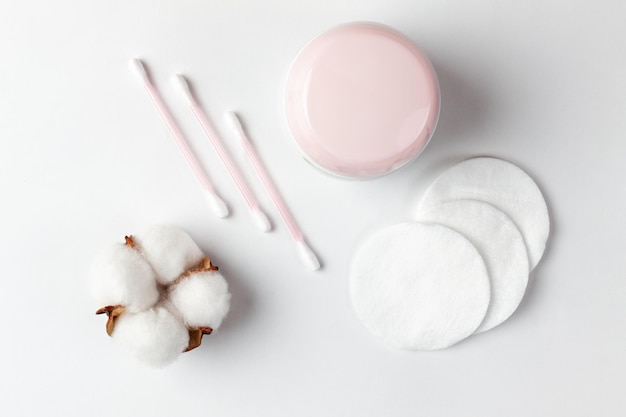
column 214, row 201
column 361, row 100
column 306, row 254
column 258, row 215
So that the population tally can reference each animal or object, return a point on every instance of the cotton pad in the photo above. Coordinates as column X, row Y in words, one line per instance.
column 419, row 286
column 121, row 276
column 169, row 250
column 155, row 337
column 504, row 186
column 202, row 299
column 499, row 243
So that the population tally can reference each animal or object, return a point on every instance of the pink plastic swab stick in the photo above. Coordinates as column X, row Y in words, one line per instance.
column 257, row 214
column 307, row 256
column 218, row 205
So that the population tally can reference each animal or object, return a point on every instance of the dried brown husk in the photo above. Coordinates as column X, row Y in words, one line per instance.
column 113, row 312
column 195, row 336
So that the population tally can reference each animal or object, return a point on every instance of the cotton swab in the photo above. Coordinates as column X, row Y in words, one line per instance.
column 307, row 256
column 257, row 214
column 218, row 205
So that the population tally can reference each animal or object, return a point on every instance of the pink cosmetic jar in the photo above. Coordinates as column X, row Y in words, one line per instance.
column 361, row 100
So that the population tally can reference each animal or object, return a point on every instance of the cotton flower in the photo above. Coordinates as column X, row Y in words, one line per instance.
column 160, row 293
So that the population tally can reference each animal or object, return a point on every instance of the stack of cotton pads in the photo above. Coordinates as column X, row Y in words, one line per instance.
column 462, row 267
column 161, row 294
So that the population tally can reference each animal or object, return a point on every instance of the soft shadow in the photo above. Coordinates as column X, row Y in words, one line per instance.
column 537, row 278
column 464, row 106
column 242, row 302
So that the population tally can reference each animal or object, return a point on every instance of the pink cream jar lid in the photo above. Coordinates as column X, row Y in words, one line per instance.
column 361, row 100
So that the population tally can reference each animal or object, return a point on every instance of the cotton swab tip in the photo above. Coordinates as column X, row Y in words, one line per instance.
column 307, row 256
column 183, row 86
column 261, row 220
column 137, row 66
column 233, row 120
column 218, row 205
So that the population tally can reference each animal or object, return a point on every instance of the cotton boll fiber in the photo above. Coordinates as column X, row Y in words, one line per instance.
column 202, row 299
column 155, row 337
column 121, row 276
column 169, row 250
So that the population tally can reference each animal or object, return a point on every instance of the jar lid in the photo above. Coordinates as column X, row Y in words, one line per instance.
column 361, row 100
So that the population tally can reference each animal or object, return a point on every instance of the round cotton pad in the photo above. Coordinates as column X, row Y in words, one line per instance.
column 419, row 286
column 504, row 186
column 501, row 246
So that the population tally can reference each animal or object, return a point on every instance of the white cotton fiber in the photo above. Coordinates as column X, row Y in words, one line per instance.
column 155, row 337
column 202, row 299
column 504, row 186
column 501, row 246
column 121, row 276
column 169, row 250
column 419, row 286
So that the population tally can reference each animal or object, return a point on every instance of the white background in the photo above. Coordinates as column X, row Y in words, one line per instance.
column 84, row 160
